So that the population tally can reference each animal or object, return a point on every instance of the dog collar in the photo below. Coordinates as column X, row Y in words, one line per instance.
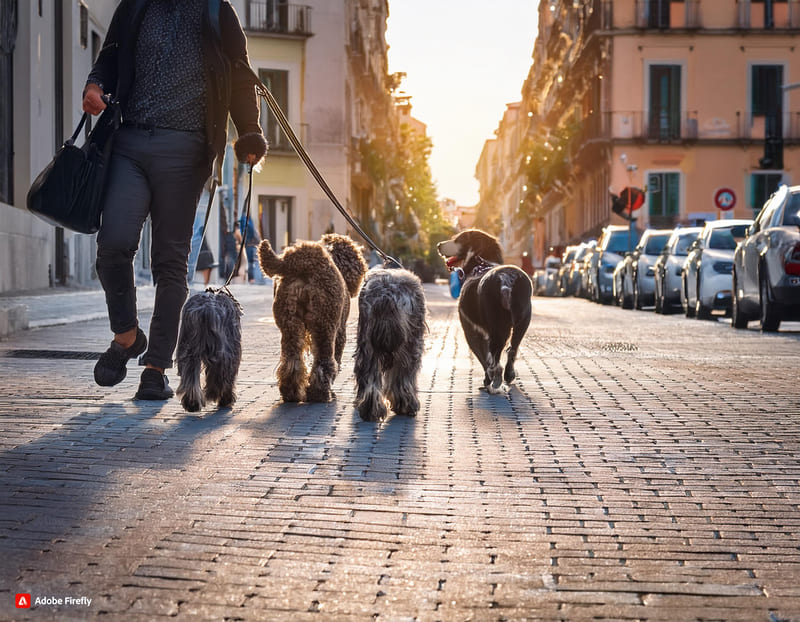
column 482, row 268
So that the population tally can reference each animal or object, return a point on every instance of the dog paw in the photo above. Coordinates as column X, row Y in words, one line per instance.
column 191, row 406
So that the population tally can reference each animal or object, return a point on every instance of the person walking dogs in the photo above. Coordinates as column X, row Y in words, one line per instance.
column 177, row 68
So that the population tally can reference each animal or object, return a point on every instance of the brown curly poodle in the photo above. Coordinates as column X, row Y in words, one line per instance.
column 314, row 282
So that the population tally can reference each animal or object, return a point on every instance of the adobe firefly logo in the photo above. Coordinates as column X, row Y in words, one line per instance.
column 22, row 601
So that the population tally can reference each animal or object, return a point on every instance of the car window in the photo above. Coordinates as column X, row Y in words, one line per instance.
column 722, row 239
column 684, row 242
column 655, row 244
column 618, row 242
column 791, row 213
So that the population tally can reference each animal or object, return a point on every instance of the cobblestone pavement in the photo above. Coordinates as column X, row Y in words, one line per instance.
column 642, row 468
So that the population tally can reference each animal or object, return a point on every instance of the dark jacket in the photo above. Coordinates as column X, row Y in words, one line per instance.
column 229, row 85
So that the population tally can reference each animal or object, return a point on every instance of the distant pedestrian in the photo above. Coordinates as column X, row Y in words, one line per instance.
column 252, row 240
column 178, row 70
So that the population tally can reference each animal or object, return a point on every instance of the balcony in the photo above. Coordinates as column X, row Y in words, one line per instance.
column 277, row 18
column 639, row 126
column 713, row 15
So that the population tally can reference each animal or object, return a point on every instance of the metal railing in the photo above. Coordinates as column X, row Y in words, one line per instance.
column 637, row 125
column 272, row 16
column 768, row 15
column 688, row 14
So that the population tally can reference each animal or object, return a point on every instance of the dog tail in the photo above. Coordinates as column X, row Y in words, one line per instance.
column 271, row 264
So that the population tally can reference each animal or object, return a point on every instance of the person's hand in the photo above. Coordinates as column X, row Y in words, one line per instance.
column 92, row 99
column 237, row 235
column 252, row 158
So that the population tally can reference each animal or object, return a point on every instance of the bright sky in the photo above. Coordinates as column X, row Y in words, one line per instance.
column 464, row 60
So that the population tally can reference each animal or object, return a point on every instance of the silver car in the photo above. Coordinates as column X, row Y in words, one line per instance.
column 706, row 277
column 667, row 269
column 766, row 264
column 615, row 241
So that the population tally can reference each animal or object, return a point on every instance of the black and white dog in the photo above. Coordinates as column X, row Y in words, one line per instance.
column 391, row 328
column 494, row 304
column 210, row 337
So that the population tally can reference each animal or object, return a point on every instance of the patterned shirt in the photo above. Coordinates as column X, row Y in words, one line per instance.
column 169, row 88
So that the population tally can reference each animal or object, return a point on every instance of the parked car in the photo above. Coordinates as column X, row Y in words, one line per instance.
column 636, row 278
column 563, row 279
column 766, row 264
column 614, row 242
column 667, row 268
column 706, row 276
column 579, row 276
column 571, row 274
column 619, row 295
column 545, row 280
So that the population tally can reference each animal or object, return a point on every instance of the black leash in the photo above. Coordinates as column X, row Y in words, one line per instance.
column 264, row 92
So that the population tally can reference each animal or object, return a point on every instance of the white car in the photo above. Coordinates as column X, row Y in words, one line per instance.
column 667, row 278
column 706, row 276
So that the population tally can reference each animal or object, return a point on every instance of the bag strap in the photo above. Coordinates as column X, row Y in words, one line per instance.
column 71, row 140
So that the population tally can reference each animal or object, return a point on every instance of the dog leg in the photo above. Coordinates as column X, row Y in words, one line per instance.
column 369, row 379
column 323, row 370
column 189, row 364
column 401, row 379
column 521, row 318
column 478, row 343
column 292, row 373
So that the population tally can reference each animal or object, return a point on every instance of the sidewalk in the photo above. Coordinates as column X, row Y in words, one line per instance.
column 58, row 306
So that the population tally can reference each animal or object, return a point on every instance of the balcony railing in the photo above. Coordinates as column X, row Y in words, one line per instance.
column 690, row 15
column 690, row 126
column 272, row 16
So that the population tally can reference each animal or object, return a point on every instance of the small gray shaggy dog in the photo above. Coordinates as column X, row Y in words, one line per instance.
column 210, row 337
column 391, row 329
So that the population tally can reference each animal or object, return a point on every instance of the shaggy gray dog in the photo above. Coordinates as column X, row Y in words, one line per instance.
column 210, row 337
column 391, row 329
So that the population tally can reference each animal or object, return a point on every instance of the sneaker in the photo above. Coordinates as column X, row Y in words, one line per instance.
column 111, row 367
column 153, row 386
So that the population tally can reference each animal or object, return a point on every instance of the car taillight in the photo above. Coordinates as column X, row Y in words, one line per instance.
column 791, row 262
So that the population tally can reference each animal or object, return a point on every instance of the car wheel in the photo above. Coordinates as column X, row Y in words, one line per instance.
column 626, row 302
column 701, row 311
column 770, row 310
column 688, row 309
column 738, row 319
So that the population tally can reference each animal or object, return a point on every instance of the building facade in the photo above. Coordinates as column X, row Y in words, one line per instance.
column 325, row 62
column 685, row 99
column 47, row 49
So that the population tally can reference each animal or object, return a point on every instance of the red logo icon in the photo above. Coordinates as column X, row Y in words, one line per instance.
column 22, row 601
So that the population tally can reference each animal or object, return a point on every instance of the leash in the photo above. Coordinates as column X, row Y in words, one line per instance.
column 246, row 225
column 264, row 92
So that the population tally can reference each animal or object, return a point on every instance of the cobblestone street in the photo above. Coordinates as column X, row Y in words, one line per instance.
column 643, row 467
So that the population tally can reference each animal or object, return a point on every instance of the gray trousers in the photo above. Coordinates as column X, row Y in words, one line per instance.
column 160, row 173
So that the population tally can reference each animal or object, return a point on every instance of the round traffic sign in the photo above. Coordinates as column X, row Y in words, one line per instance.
column 725, row 199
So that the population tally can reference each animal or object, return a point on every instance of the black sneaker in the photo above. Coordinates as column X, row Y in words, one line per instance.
column 153, row 386
column 111, row 367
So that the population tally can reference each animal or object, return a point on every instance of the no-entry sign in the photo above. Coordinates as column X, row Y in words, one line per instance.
column 724, row 199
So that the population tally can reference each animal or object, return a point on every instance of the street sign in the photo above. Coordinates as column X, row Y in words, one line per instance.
column 724, row 199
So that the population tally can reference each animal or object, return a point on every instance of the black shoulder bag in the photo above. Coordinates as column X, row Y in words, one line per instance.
column 69, row 192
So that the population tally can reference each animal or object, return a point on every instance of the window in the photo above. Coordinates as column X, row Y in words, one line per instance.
column 275, row 220
column 762, row 185
column 663, row 190
column 277, row 82
column 665, row 102
column 84, row 21
column 8, row 37
column 658, row 13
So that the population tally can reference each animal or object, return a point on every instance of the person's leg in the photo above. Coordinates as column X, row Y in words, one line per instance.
column 177, row 171
column 126, row 206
